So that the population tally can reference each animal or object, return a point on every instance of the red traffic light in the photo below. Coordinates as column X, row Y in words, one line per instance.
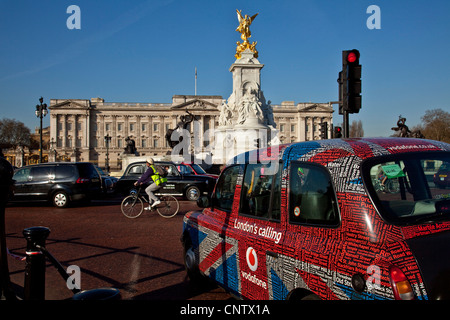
column 353, row 56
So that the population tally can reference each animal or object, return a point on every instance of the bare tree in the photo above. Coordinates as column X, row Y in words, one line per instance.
column 13, row 133
column 356, row 129
column 436, row 124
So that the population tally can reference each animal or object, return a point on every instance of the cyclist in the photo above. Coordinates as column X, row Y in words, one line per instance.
column 157, row 181
column 382, row 178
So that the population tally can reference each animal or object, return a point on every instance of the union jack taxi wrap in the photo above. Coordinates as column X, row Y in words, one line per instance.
column 363, row 232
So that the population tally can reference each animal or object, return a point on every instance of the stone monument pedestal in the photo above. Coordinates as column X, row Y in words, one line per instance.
column 246, row 120
column 230, row 142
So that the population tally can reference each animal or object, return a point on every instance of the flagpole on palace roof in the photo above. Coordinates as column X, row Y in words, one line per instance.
column 195, row 80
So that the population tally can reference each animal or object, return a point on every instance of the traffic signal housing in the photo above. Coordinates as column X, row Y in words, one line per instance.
column 350, row 82
column 337, row 132
column 323, row 130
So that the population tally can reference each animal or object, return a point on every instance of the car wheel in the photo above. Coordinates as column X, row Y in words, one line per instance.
column 60, row 199
column 193, row 193
column 191, row 264
column 302, row 294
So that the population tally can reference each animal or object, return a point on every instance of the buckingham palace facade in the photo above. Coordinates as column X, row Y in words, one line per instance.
column 79, row 127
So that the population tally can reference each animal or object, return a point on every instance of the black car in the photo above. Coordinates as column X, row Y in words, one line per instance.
column 61, row 183
column 189, row 186
column 108, row 182
column 442, row 177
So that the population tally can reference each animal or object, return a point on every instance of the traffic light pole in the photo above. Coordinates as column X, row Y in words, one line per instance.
column 349, row 80
column 345, row 125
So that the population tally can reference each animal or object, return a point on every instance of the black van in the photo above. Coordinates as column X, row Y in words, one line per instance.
column 61, row 183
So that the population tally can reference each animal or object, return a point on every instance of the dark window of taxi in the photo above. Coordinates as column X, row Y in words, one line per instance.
column 312, row 200
column 225, row 188
column 261, row 191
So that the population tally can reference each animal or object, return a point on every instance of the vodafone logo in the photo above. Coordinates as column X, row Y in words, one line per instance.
column 252, row 259
column 252, row 262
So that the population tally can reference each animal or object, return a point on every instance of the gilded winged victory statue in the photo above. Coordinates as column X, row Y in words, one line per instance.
column 244, row 29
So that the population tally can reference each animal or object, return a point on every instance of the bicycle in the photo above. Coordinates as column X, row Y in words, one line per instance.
column 390, row 186
column 132, row 206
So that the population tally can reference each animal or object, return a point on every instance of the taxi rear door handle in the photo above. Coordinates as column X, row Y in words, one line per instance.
column 272, row 254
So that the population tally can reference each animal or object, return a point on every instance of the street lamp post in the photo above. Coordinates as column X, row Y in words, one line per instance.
column 107, row 141
column 41, row 111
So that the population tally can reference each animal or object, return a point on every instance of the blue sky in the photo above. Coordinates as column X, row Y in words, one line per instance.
column 147, row 51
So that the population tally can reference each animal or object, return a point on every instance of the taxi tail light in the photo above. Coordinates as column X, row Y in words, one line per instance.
column 400, row 284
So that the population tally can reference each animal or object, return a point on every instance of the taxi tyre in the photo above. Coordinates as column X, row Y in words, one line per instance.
column 302, row 294
column 192, row 193
column 190, row 263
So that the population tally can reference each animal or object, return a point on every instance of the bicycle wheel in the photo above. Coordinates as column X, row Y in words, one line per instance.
column 132, row 206
column 168, row 207
column 393, row 186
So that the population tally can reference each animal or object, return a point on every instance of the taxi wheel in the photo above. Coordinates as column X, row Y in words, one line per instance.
column 191, row 264
column 193, row 193
column 189, row 260
column 302, row 294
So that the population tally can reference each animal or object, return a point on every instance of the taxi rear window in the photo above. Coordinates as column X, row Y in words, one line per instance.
column 409, row 188
column 312, row 199
column 261, row 191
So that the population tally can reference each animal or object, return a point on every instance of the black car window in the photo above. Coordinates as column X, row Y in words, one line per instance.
column 22, row 175
column 261, row 191
column 136, row 170
column 43, row 173
column 198, row 169
column 64, row 172
column 87, row 170
column 225, row 188
column 171, row 170
column 312, row 199
column 410, row 188
column 184, row 169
